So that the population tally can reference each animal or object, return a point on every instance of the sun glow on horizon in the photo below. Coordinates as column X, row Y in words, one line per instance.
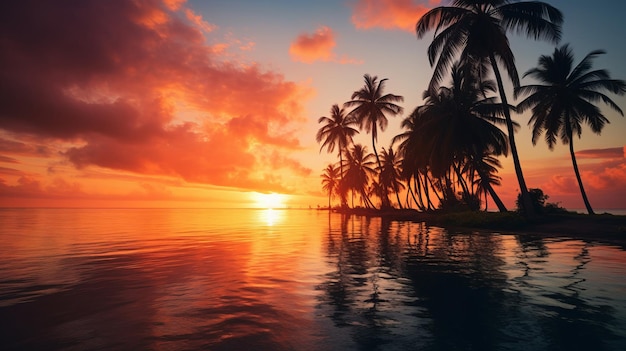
column 270, row 200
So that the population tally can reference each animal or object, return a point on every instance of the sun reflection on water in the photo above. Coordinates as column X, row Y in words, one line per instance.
column 271, row 216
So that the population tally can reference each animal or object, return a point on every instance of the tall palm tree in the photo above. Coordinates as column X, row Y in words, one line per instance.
column 477, row 30
column 565, row 100
column 371, row 107
column 330, row 182
column 336, row 131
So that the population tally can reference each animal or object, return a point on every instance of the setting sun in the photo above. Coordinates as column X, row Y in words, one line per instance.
column 271, row 200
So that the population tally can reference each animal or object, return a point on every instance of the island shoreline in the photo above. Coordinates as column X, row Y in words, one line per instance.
column 605, row 228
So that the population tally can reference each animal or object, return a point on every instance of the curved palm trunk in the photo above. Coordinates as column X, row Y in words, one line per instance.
column 366, row 199
column 580, row 182
column 409, row 191
column 420, row 203
column 431, row 206
column 529, row 210
column 492, row 192
column 496, row 199
column 461, row 181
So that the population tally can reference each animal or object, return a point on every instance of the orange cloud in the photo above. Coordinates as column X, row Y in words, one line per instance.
column 390, row 14
column 146, row 95
column 318, row 46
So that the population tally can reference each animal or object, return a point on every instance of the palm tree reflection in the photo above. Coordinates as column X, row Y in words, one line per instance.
column 427, row 288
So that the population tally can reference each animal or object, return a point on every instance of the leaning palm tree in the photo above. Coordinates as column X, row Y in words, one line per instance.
column 477, row 30
column 565, row 100
column 371, row 107
column 336, row 131
column 487, row 167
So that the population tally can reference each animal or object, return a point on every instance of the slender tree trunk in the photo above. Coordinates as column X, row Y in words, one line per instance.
column 398, row 197
column 383, row 198
column 487, row 203
column 529, row 210
column 419, row 192
column 342, row 194
column 429, row 203
column 489, row 189
column 496, row 198
column 417, row 195
column 428, row 181
column 462, row 182
column 352, row 198
column 580, row 181
column 366, row 199
column 329, row 193
column 409, row 192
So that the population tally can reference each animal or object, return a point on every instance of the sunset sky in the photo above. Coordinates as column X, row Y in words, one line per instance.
column 207, row 103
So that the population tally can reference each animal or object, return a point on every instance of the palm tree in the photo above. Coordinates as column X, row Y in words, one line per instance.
column 359, row 168
column 477, row 30
column 336, row 131
column 487, row 167
column 330, row 181
column 390, row 174
column 565, row 100
column 455, row 126
column 371, row 107
column 408, row 164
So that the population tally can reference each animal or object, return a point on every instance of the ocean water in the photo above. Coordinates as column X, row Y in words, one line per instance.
column 195, row 279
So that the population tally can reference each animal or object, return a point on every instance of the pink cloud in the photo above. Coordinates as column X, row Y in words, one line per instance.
column 562, row 184
column 390, row 14
column 608, row 153
column 605, row 184
column 174, row 4
column 318, row 46
column 114, row 93
column 198, row 21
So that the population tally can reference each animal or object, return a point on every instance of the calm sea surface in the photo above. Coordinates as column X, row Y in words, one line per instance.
column 191, row 279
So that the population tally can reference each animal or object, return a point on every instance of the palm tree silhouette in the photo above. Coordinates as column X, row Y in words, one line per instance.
column 487, row 167
column 330, row 182
column 408, row 168
column 477, row 30
column 371, row 107
column 359, row 168
column 390, row 174
column 565, row 100
column 455, row 127
column 336, row 131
